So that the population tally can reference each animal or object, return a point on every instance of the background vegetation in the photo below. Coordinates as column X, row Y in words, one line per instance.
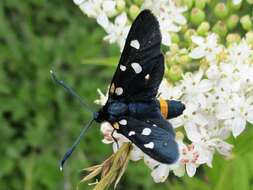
column 39, row 120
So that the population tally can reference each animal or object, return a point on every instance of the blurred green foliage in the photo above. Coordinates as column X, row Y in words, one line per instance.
column 39, row 120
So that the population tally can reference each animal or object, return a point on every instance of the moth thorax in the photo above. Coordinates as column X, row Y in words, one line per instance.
column 117, row 109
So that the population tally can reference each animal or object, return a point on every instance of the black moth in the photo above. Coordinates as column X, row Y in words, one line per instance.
column 132, row 107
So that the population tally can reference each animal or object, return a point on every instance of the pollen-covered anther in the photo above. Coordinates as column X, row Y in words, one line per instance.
column 135, row 44
column 119, row 91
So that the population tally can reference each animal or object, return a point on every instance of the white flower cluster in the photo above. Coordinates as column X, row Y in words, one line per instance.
column 116, row 21
column 219, row 101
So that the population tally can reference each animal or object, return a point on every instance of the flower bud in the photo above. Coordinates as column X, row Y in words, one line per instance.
column 204, row 64
column 234, row 6
column 197, row 16
column 175, row 38
column 221, row 11
column 188, row 3
column 220, row 29
column 232, row 38
column 184, row 59
column 175, row 73
column 232, row 21
column 174, row 48
column 120, row 4
column 200, row 4
column 138, row 2
column 134, row 10
column 249, row 37
column 188, row 34
column 192, row 66
column 203, row 28
column 246, row 22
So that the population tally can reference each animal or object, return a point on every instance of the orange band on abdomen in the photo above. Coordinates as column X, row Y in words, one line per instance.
column 164, row 108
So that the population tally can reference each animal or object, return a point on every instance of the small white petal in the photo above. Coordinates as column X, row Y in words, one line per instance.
column 190, row 169
column 146, row 131
column 131, row 133
column 102, row 20
column 105, row 141
column 119, row 91
column 198, row 40
column 78, row 2
column 149, row 145
column 123, row 122
column 235, row 2
column 160, row 173
column 238, row 126
column 108, row 6
column 137, row 67
column 197, row 53
column 136, row 153
column 150, row 162
column 135, row 44
column 166, row 39
column 121, row 20
column 122, row 67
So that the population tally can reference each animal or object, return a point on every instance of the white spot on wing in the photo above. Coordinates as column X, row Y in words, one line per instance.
column 149, row 145
column 123, row 122
column 147, row 77
column 146, row 131
column 154, row 125
column 131, row 133
column 137, row 67
column 135, row 44
column 122, row 67
column 119, row 91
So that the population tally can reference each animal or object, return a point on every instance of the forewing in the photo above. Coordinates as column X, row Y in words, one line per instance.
column 141, row 66
column 155, row 141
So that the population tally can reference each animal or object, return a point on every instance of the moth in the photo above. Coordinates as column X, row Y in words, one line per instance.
column 133, row 108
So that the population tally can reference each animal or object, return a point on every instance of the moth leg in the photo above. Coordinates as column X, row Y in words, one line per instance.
column 115, row 138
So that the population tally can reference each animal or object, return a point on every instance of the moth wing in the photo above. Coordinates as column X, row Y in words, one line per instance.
column 141, row 66
column 155, row 141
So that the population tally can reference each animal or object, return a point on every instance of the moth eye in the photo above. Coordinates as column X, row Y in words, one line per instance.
column 119, row 91
column 146, row 131
column 122, row 67
column 131, row 133
column 137, row 67
column 135, row 44
column 149, row 145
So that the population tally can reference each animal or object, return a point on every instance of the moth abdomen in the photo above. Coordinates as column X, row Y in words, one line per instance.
column 171, row 108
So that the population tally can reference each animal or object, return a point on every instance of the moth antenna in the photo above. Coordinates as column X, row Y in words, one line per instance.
column 70, row 91
column 77, row 141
